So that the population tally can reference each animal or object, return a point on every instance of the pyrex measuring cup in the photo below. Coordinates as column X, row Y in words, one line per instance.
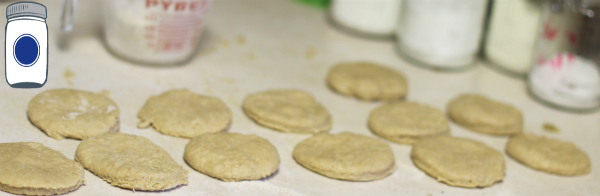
column 159, row 32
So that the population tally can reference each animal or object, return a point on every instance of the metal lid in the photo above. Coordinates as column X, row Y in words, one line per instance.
column 26, row 9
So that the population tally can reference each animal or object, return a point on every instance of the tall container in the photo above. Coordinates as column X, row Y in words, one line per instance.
column 511, row 35
column 444, row 34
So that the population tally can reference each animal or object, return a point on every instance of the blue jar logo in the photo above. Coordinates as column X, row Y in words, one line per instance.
column 26, row 50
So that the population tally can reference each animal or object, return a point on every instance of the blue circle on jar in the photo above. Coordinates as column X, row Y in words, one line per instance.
column 26, row 50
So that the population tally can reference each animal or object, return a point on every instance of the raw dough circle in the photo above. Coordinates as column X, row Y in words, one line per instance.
column 367, row 81
column 182, row 113
column 73, row 113
column 232, row 156
column 459, row 161
column 548, row 155
column 481, row 114
column 407, row 122
column 131, row 162
column 346, row 156
column 287, row 110
column 29, row 168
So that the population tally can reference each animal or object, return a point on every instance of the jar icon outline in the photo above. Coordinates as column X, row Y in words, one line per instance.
column 26, row 40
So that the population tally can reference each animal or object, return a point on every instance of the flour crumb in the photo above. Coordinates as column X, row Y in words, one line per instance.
column 241, row 40
column 68, row 75
column 311, row 52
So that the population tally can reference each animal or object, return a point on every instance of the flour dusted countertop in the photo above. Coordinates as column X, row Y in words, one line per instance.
column 255, row 45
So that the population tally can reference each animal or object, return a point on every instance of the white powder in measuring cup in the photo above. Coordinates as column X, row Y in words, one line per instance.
column 512, row 34
column 567, row 80
column 379, row 17
column 444, row 33
column 154, row 31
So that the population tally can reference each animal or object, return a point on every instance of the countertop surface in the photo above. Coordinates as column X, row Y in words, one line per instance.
column 255, row 45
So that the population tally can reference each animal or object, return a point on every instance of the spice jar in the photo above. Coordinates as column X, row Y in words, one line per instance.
column 565, row 71
column 511, row 35
column 371, row 18
column 443, row 34
column 26, row 45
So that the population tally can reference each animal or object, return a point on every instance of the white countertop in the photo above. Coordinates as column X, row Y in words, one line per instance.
column 254, row 45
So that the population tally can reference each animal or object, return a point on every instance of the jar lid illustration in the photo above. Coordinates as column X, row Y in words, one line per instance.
column 26, row 9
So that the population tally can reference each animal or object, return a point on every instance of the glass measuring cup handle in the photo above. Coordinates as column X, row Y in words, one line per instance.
column 67, row 19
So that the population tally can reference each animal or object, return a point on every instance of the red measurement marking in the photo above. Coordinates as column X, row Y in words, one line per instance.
column 572, row 37
column 150, row 28
column 150, row 36
column 170, row 46
column 151, row 17
column 549, row 33
column 557, row 62
column 177, row 6
column 570, row 57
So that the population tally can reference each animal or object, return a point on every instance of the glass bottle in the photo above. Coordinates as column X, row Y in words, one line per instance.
column 511, row 35
column 565, row 71
column 442, row 34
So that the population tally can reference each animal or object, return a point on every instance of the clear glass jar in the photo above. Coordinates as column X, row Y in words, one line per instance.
column 565, row 71
column 158, row 32
column 367, row 18
column 441, row 34
column 511, row 35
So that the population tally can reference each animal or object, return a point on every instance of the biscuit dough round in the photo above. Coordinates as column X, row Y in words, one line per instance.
column 407, row 122
column 481, row 114
column 29, row 168
column 287, row 110
column 73, row 113
column 346, row 156
column 367, row 81
column 232, row 156
column 459, row 161
column 182, row 113
column 131, row 162
column 548, row 155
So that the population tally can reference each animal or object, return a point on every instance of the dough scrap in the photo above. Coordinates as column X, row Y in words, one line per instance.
column 73, row 113
column 287, row 110
column 232, row 156
column 182, row 113
column 131, row 162
column 407, row 122
column 548, row 155
column 459, row 161
column 30, row 168
column 481, row 114
column 346, row 156
column 367, row 81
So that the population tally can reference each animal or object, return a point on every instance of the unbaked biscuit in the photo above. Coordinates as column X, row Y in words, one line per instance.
column 287, row 110
column 346, row 156
column 367, row 81
column 481, row 114
column 131, row 162
column 548, row 155
column 407, row 122
column 182, row 113
column 459, row 161
column 73, row 113
column 29, row 168
column 232, row 156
